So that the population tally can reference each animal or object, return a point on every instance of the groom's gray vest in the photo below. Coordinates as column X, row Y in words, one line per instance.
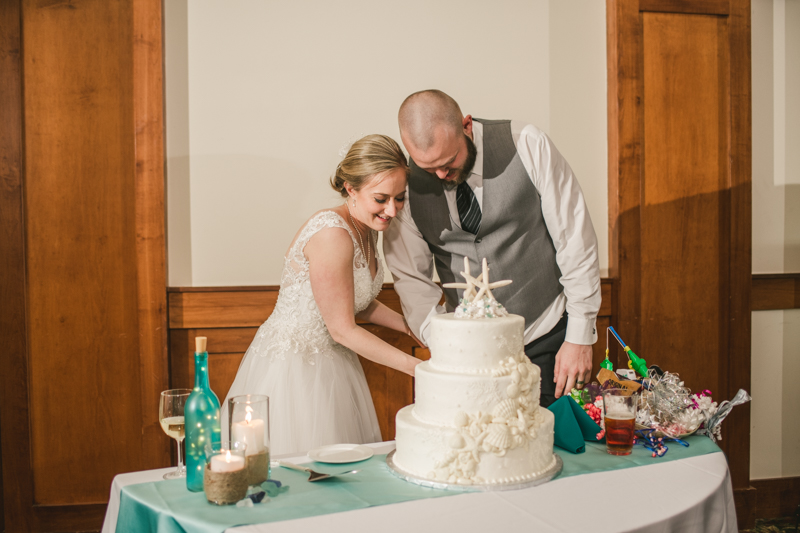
column 512, row 237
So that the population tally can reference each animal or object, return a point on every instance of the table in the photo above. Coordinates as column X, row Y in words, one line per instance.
column 694, row 494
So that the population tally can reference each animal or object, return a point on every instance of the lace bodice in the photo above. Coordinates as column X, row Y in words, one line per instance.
column 296, row 325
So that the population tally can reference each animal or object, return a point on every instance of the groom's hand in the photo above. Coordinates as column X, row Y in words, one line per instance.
column 573, row 364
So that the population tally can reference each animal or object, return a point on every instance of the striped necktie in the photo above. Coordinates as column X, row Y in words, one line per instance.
column 468, row 209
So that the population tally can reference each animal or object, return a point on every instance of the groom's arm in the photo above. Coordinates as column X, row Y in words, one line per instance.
column 411, row 263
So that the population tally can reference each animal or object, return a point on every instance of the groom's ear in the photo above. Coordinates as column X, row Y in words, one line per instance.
column 467, row 124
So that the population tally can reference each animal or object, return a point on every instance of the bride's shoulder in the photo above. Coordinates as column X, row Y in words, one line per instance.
column 328, row 222
column 326, row 218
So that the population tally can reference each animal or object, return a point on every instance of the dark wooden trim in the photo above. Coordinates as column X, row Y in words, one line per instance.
column 700, row 7
column 87, row 517
column 741, row 231
column 745, row 500
column 625, row 153
column 240, row 288
column 148, row 119
column 775, row 291
column 777, row 497
column 17, row 493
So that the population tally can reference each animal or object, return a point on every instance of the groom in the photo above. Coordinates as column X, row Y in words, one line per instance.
column 497, row 189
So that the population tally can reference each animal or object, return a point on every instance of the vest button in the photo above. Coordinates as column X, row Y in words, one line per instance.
column 477, row 241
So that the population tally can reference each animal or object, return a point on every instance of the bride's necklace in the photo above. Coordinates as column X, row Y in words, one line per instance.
column 368, row 249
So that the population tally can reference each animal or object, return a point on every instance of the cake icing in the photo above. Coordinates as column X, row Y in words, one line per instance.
column 476, row 416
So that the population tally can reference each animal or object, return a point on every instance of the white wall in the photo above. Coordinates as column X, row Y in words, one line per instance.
column 578, row 104
column 261, row 95
column 775, row 426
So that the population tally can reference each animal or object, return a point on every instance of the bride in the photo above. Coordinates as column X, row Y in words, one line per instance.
column 304, row 356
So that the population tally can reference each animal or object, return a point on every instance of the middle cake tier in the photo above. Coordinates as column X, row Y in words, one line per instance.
column 441, row 395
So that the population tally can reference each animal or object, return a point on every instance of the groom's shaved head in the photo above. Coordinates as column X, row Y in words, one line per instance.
column 423, row 113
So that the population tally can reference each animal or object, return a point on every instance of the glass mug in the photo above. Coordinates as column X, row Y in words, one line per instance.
column 619, row 414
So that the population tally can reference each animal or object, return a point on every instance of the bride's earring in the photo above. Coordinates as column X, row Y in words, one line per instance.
column 354, row 202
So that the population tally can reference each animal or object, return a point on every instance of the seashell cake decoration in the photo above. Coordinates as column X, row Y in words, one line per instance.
column 480, row 303
column 512, row 424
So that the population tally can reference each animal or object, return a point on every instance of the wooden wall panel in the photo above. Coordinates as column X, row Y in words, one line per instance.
column 81, row 265
column 219, row 308
column 85, row 351
column 683, row 249
column 679, row 195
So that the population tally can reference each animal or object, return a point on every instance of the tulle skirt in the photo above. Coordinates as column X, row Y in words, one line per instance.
column 310, row 405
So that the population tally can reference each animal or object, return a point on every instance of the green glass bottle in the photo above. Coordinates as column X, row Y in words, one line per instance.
column 202, row 419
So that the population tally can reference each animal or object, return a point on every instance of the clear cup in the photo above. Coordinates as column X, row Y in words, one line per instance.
column 619, row 414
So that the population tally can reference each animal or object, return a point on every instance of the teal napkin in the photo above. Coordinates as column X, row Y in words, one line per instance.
column 573, row 427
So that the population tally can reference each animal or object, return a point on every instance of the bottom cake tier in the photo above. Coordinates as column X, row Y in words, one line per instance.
column 443, row 453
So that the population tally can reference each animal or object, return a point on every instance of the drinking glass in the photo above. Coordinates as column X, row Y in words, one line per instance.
column 170, row 414
column 619, row 413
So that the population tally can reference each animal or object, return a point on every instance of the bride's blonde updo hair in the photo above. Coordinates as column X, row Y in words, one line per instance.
column 368, row 156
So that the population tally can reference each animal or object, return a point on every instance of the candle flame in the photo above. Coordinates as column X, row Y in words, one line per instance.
column 228, row 456
column 248, row 416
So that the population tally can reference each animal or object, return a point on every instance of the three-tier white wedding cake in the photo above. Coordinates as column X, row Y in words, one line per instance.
column 477, row 418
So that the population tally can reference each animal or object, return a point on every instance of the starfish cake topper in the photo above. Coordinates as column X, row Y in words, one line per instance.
column 482, row 283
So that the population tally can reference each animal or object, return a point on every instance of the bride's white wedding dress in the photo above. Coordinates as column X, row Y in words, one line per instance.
column 317, row 390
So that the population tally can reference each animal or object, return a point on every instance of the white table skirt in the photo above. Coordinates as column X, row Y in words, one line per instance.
column 693, row 494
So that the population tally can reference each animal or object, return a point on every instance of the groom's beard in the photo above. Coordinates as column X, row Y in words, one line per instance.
column 466, row 168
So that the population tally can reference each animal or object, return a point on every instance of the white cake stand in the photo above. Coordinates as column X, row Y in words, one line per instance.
column 542, row 477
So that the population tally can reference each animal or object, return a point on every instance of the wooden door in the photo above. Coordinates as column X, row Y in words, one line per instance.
column 679, row 195
column 82, row 246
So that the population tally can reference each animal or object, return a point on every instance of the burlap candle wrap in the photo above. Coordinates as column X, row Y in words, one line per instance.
column 224, row 488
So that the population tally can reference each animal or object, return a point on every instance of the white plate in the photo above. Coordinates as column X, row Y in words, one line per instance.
column 341, row 453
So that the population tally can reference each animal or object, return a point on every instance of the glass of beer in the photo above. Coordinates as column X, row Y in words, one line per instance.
column 619, row 412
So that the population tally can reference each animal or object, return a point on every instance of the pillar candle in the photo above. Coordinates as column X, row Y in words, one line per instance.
column 226, row 462
column 250, row 432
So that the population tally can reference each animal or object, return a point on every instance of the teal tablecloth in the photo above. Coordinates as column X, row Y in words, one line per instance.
column 167, row 506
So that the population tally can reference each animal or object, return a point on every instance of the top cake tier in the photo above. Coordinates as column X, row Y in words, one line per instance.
column 474, row 346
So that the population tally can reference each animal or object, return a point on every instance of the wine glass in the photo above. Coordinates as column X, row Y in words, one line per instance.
column 170, row 414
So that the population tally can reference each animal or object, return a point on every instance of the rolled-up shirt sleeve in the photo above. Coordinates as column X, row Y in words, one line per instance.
column 570, row 226
column 411, row 263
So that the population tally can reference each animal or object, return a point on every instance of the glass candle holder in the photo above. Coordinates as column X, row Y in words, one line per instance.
column 225, row 475
column 249, row 424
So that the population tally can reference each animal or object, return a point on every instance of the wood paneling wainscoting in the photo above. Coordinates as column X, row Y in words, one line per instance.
column 775, row 291
column 230, row 317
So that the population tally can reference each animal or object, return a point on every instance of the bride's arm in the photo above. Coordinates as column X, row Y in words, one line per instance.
column 379, row 314
column 330, row 258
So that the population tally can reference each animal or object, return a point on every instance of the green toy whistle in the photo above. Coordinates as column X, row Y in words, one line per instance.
column 636, row 363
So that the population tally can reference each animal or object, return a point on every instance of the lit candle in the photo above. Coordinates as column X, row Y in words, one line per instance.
column 226, row 462
column 249, row 432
